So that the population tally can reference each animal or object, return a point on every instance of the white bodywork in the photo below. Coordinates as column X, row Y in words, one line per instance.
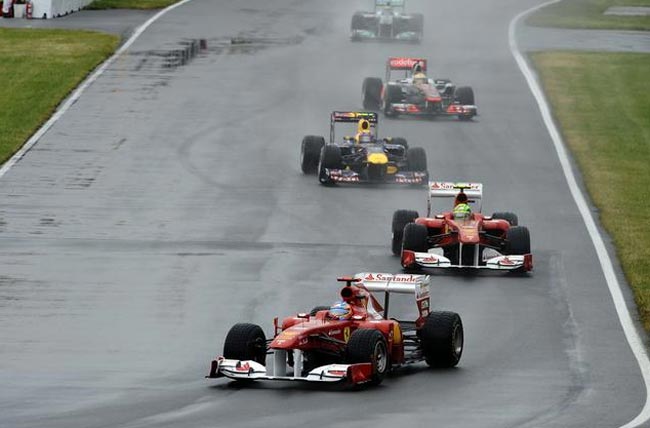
column 449, row 190
column 235, row 369
column 498, row 262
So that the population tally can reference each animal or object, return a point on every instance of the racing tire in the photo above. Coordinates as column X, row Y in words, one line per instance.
column 357, row 22
column 317, row 309
column 415, row 238
column 518, row 241
column 400, row 142
column 330, row 158
column 442, row 339
column 392, row 94
column 245, row 342
column 418, row 24
column 400, row 219
column 369, row 346
column 310, row 153
column 508, row 216
column 464, row 95
column 416, row 158
column 371, row 91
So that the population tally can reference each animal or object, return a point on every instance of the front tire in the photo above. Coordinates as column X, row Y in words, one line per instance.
column 518, row 238
column 369, row 346
column 400, row 219
column 310, row 149
column 371, row 91
column 245, row 342
column 416, row 159
column 330, row 158
column 442, row 339
column 415, row 238
column 464, row 95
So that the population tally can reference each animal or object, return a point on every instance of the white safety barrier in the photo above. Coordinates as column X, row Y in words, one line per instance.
column 53, row 8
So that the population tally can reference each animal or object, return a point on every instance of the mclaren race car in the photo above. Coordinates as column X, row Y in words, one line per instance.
column 415, row 94
column 362, row 158
column 463, row 237
column 353, row 341
column 388, row 22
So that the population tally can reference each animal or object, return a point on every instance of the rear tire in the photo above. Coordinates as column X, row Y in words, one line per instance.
column 310, row 149
column 415, row 238
column 416, row 159
column 464, row 95
column 400, row 219
column 330, row 158
column 508, row 216
column 518, row 238
column 400, row 142
column 371, row 91
column 245, row 342
column 369, row 346
column 442, row 339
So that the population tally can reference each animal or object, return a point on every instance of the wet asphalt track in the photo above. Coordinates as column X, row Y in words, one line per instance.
column 168, row 204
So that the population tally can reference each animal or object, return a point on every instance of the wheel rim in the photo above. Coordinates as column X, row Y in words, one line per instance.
column 380, row 357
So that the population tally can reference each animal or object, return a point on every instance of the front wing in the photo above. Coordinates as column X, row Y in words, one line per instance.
column 464, row 111
column 365, row 35
column 252, row 370
column 349, row 176
column 412, row 259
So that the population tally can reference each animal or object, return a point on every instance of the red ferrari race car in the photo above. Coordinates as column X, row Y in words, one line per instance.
column 415, row 94
column 463, row 237
column 353, row 341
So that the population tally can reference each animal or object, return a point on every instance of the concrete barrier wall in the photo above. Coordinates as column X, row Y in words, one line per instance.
column 54, row 8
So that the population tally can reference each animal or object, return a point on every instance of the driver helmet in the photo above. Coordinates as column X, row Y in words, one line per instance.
column 340, row 311
column 420, row 78
column 462, row 212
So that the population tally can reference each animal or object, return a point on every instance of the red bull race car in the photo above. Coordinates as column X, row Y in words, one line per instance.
column 354, row 341
column 415, row 94
column 388, row 22
column 362, row 158
column 453, row 239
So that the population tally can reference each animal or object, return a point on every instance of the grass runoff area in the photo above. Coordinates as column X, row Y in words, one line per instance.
column 602, row 104
column 130, row 4
column 39, row 69
column 589, row 14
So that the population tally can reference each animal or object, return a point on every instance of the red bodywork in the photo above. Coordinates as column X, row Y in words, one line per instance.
column 307, row 332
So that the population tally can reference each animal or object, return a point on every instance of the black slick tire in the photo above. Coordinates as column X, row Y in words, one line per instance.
column 518, row 240
column 415, row 238
column 392, row 95
column 416, row 159
column 369, row 346
column 330, row 158
column 245, row 342
column 371, row 93
column 442, row 339
column 508, row 216
column 464, row 95
column 400, row 219
column 310, row 149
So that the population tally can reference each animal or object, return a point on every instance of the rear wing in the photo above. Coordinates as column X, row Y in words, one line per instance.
column 389, row 3
column 388, row 283
column 447, row 189
column 352, row 117
column 405, row 64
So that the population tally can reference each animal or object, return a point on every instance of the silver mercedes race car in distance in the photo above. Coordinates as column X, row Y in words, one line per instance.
column 388, row 22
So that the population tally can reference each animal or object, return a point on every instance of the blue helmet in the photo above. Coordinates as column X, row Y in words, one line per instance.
column 340, row 311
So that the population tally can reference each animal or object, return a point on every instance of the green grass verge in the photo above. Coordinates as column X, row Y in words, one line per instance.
column 589, row 14
column 39, row 68
column 602, row 104
column 130, row 4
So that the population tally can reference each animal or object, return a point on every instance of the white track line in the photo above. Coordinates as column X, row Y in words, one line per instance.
column 629, row 328
column 69, row 102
